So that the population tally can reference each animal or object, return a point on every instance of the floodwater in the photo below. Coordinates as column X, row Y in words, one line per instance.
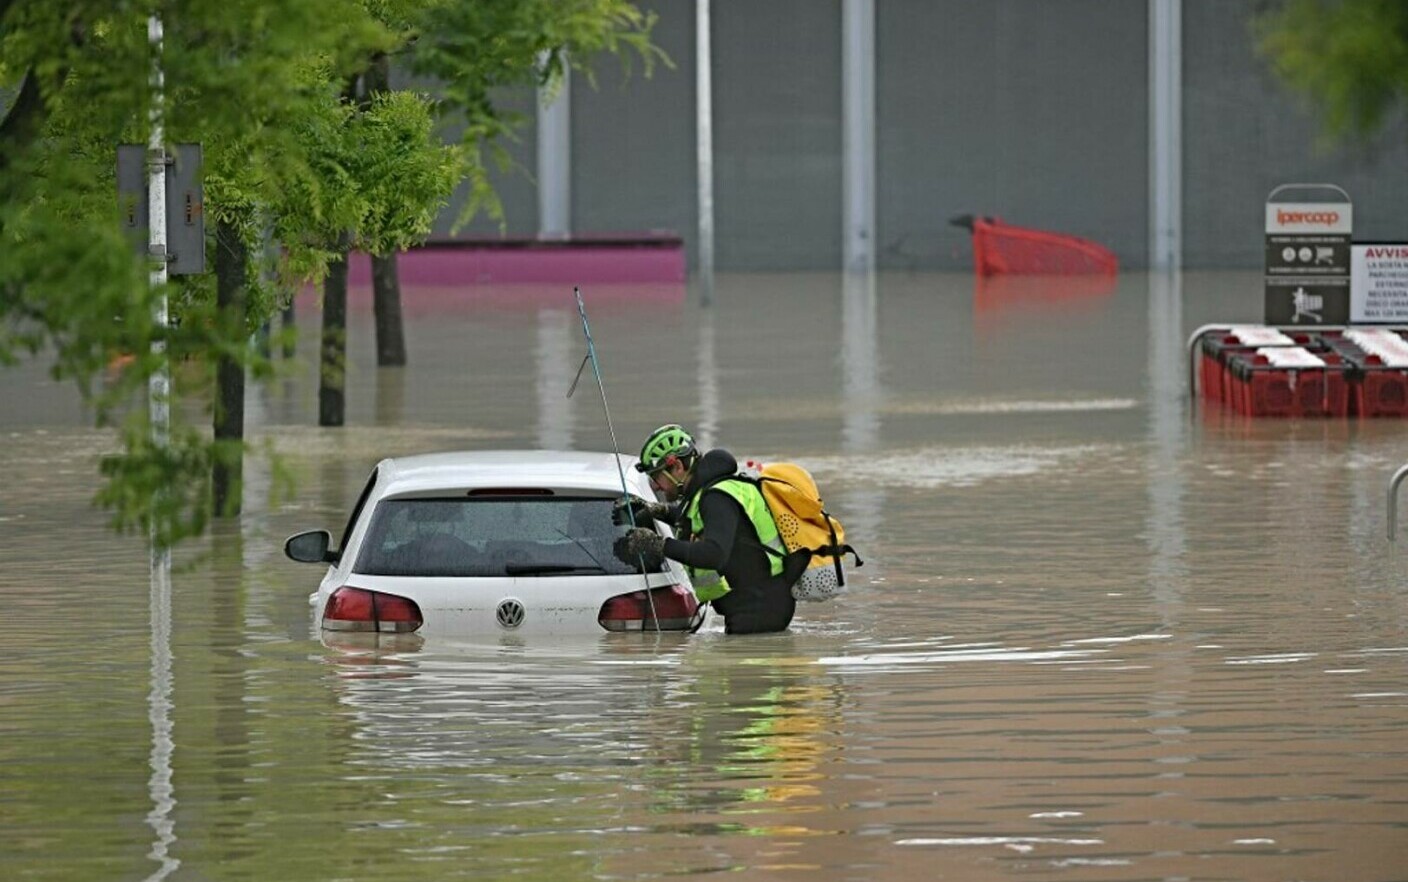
column 1098, row 635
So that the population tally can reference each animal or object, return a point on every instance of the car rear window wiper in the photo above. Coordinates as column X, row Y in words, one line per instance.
column 546, row 568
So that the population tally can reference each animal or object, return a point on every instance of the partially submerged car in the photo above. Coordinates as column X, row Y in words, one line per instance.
column 491, row 542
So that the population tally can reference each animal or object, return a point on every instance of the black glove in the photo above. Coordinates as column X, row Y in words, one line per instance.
column 644, row 512
column 641, row 545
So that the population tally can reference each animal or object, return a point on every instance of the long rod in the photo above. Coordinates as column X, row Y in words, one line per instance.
column 158, row 387
column 159, row 784
column 615, row 448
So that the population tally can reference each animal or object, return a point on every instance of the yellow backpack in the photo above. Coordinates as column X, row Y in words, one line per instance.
column 805, row 525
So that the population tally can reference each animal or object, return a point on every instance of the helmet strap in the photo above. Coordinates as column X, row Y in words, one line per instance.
column 670, row 461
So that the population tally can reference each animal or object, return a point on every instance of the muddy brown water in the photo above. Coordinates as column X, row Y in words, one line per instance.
column 1096, row 636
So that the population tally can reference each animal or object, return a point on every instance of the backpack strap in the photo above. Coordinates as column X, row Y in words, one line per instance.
column 834, row 551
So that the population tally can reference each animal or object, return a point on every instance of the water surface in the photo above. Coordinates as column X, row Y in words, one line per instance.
column 1097, row 635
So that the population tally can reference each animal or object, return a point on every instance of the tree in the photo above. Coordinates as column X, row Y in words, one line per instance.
column 1350, row 57
column 261, row 85
column 386, row 280
column 257, row 89
column 470, row 48
column 383, row 176
column 475, row 48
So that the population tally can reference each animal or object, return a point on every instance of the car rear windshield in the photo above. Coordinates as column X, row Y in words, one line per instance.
column 492, row 536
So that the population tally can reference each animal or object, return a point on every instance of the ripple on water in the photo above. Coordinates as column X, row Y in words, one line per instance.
column 933, row 467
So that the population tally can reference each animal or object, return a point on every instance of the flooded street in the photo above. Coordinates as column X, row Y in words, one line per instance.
column 1097, row 636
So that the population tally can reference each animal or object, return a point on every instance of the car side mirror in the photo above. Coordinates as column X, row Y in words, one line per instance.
column 311, row 547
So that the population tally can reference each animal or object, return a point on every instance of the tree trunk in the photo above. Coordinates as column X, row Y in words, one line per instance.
column 386, row 285
column 386, row 305
column 289, row 327
column 231, row 267
column 332, row 386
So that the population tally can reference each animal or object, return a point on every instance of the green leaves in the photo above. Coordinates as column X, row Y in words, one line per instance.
column 379, row 175
column 1350, row 57
column 293, row 153
column 405, row 174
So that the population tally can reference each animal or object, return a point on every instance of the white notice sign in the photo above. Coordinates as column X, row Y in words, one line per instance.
column 1378, row 284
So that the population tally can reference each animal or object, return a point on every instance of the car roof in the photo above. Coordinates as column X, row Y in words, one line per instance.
column 566, row 469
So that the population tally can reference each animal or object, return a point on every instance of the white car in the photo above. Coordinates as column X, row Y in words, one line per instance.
column 493, row 542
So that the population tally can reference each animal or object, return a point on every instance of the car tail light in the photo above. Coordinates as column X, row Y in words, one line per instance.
column 674, row 610
column 357, row 609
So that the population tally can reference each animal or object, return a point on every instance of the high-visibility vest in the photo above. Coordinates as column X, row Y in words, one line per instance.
column 710, row 585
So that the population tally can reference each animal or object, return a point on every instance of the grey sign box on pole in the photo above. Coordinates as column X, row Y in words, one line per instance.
column 1292, row 301
column 185, row 204
column 185, row 211
column 132, row 194
column 1307, row 257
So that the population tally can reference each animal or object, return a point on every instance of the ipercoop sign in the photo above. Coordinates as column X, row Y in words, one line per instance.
column 1307, row 262
column 1310, row 217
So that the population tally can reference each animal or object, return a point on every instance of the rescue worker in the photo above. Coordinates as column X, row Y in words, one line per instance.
column 725, row 525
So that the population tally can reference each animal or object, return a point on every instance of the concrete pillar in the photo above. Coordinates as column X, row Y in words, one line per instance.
column 858, row 123
column 555, row 160
column 704, row 150
column 1165, row 134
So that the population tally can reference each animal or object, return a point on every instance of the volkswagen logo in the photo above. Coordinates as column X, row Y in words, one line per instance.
column 510, row 613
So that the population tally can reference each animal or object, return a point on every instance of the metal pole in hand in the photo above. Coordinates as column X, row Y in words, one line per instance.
column 615, row 448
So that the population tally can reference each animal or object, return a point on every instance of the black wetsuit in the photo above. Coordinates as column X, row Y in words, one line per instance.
column 757, row 602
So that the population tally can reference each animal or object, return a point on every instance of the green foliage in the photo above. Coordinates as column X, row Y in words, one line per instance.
column 1350, row 57
column 242, row 78
column 160, row 487
column 378, row 176
column 290, row 156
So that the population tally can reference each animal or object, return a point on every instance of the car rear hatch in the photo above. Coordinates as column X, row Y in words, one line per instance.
column 522, row 560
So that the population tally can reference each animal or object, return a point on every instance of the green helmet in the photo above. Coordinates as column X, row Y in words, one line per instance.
column 663, row 442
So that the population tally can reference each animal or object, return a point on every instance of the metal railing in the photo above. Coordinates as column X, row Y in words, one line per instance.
column 1393, row 483
column 1398, row 476
column 1203, row 331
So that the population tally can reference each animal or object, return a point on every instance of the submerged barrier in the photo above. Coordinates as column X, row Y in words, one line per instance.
column 1264, row 371
column 615, row 258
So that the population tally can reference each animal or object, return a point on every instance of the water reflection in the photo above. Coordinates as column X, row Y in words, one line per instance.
column 710, row 409
column 1167, row 537
column 558, row 331
column 390, row 396
column 698, row 737
column 159, row 709
column 863, row 400
column 1000, row 299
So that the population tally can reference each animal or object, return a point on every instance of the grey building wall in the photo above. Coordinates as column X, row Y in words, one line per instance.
column 1245, row 133
column 1033, row 110
column 633, row 138
column 777, row 133
column 514, row 184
